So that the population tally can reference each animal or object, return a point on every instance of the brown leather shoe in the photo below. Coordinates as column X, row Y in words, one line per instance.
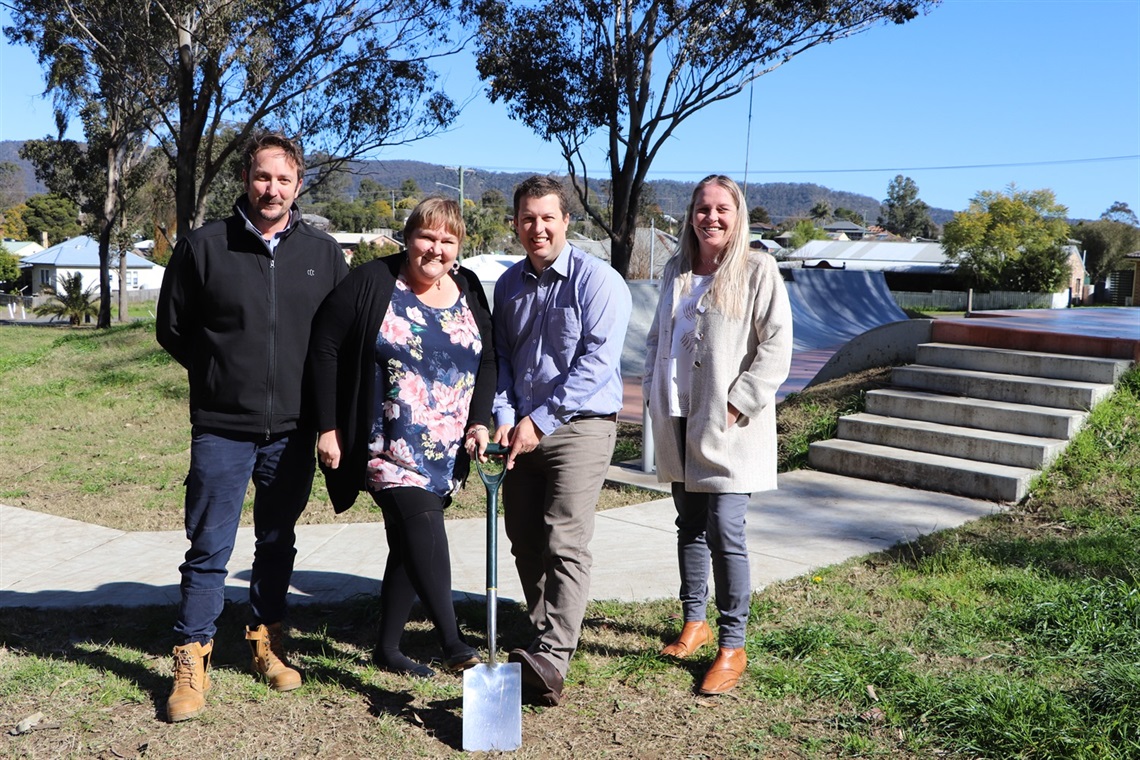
column 725, row 671
column 541, row 681
column 694, row 635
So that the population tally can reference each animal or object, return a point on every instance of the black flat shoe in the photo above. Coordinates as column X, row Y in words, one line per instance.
column 401, row 666
column 462, row 661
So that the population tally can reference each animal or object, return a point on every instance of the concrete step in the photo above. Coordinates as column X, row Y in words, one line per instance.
column 931, row 472
column 1019, row 389
column 1089, row 369
column 951, row 440
column 986, row 414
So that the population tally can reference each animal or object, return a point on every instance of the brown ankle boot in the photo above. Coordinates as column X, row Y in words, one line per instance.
column 267, row 643
column 694, row 635
column 191, row 681
column 725, row 671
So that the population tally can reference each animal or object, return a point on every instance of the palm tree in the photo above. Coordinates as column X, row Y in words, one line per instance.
column 75, row 302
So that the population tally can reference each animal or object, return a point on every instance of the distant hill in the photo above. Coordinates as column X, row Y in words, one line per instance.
column 781, row 199
column 10, row 151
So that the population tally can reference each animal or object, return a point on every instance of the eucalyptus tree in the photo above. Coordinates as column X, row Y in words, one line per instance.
column 343, row 77
column 904, row 213
column 97, row 56
column 634, row 70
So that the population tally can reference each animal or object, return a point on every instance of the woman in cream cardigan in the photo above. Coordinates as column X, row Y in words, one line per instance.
column 719, row 347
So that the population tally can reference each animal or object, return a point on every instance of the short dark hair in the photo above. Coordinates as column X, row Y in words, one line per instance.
column 539, row 186
column 261, row 140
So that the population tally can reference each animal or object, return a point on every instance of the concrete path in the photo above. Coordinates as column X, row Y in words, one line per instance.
column 813, row 520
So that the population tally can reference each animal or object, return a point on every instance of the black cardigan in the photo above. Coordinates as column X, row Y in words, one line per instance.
column 342, row 367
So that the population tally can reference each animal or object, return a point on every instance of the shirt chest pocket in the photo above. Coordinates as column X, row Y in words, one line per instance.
column 563, row 328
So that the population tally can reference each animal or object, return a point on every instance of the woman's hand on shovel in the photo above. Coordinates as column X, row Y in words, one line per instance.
column 476, row 442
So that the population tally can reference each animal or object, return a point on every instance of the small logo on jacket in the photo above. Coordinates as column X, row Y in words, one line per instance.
column 311, row 272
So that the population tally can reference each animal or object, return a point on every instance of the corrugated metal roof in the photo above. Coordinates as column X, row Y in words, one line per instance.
column 874, row 255
column 78, row 253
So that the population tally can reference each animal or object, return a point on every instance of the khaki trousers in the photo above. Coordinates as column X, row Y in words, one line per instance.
column 549, row 501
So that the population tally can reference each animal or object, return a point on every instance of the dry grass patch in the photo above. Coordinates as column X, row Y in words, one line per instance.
column 95, row 427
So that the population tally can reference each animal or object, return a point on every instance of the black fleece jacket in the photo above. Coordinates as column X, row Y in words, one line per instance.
column 238, row 319
column 342, row 367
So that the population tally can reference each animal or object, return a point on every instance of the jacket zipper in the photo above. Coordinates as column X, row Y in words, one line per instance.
column 271, row 374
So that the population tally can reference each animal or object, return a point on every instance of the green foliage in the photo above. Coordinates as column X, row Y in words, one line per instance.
column 493, row 198
column 9, row 269
column 851, row 216
column 487, row 230
column 759, row 215
column 12, row 226
column 350, row 216
column 409, row 189
column 820, row 212
column 364, row 68
column 75, row 303
column 1119, row 211
column 54, row 215
column 803, row 232
column 366, row 252
column 1106, row 242
column 1012, row 239
column 905, row 214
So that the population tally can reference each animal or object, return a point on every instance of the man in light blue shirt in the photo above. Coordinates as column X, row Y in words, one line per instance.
column 560, row 322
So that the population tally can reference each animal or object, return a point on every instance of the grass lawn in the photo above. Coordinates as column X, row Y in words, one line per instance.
column 1016, row 636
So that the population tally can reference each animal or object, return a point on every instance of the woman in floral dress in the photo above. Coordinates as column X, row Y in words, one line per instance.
column 402, row 375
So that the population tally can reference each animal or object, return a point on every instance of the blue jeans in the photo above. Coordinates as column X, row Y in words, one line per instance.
column 221, row 466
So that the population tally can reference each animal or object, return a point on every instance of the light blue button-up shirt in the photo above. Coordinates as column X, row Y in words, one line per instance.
column 558, row 339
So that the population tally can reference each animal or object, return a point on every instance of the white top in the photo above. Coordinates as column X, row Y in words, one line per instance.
column 682, row 352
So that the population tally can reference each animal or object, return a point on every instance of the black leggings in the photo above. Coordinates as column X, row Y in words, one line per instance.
column 419, row 564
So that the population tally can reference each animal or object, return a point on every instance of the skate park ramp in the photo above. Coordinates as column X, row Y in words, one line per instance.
column 832, row 306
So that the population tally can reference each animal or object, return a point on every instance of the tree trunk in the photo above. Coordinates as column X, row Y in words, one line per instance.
column 191, row 123
column 123, row 286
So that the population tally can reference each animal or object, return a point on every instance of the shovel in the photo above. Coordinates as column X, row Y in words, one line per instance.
column 492, row 693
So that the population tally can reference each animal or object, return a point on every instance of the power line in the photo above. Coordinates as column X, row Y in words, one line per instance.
column 703, row 172
column 928, row 168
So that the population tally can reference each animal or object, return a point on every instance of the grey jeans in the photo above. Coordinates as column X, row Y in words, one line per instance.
column 710, row 526
column 549, row 501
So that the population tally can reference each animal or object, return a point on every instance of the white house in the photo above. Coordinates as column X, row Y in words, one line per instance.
column 21, row 248
column 81, row 254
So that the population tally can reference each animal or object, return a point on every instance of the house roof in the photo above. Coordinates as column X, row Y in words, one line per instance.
column 78, row 253
column 874, row 255
column 22, row 248
column 843, row 225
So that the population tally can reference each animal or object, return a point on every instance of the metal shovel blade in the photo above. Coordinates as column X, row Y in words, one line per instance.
column 492, row 707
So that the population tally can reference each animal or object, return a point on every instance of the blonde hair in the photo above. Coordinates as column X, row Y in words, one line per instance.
column 730, row 282
column 435, row 212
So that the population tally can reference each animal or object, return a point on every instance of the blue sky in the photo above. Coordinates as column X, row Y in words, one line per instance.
column 974, row 96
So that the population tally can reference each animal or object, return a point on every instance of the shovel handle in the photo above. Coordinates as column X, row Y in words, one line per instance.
column 492, row 483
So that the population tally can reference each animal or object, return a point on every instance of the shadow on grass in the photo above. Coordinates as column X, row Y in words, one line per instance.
column 332, row 643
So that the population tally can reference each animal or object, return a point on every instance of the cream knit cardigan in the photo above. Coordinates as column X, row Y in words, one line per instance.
column 738, row 361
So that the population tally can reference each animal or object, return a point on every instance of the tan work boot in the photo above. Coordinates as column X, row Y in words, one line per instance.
column 268, row 645
column 191, row 681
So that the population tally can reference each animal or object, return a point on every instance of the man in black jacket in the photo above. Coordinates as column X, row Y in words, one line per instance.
column 235, row 310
